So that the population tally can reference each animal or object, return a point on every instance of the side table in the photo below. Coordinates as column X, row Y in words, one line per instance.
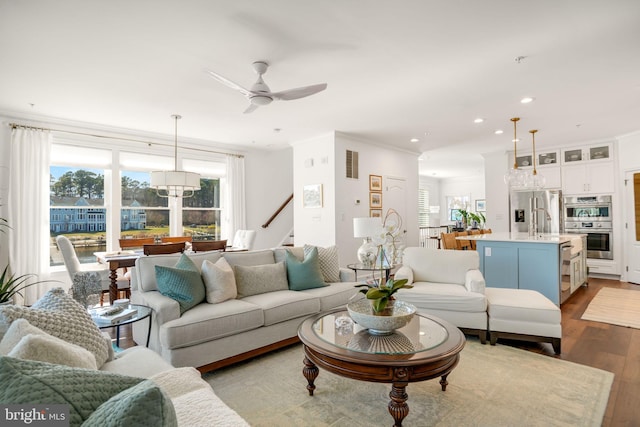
column 361, row 267
column 143, row 312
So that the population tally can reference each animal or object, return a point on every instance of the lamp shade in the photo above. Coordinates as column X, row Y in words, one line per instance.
column 175, row 183
column 366, row 227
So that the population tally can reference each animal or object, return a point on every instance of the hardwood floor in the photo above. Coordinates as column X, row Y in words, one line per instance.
column 600, row 345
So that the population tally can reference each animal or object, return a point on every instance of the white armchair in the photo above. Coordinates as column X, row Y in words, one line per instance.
column 89, row 273
column 243, row 240
column 446, row 284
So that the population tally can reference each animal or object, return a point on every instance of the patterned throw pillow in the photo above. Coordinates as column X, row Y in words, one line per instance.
column 219, row 281
column 259, row 279
column 84, row 390
column 304, row 274
column 143, row 405
column 57, row 314
column 329, row 263
column 182, row 283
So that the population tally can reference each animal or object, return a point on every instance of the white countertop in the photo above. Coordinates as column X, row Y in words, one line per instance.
column 523, row 237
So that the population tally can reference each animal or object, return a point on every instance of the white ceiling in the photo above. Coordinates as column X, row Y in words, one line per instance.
column 395, row 70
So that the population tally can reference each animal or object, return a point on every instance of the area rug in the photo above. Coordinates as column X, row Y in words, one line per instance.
column 491, row 386
column 616, row 306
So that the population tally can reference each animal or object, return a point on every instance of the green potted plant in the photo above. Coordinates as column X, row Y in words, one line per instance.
column 478, row 218
column 382, row 294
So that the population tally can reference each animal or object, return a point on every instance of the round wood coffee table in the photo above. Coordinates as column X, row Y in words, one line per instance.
column 426, row 348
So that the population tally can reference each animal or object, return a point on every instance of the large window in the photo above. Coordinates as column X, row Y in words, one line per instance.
column 101, row 195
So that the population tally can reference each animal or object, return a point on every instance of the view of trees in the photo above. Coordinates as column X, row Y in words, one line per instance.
column 81, row 183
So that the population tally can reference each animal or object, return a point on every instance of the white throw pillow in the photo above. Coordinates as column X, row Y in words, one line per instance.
column 25, row 341
column 57, row 314
column 219, row 281
column 329, row 262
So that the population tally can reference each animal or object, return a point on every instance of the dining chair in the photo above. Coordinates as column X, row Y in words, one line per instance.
column 448, row 241
column 208, row 245
column 176, row 239
column 163, row 248
column 473, row 242
column 135, row 242
column 86, row 273
column 462, row 245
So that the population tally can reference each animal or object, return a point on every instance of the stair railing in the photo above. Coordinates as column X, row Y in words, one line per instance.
column 277, row 212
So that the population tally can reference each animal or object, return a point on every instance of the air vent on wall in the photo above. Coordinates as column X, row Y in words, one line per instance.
column 352, row 164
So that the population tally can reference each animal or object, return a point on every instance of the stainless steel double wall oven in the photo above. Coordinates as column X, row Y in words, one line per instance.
column 591, row 215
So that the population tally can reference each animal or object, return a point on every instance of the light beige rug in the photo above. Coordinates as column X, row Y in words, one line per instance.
column 491, row 386
column 615, row 306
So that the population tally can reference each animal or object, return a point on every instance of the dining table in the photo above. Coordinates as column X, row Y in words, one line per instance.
column 116, row 260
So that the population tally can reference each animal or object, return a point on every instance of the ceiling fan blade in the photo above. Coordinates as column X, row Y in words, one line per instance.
column 250, row 108
column 227, row 82
column 301, row 92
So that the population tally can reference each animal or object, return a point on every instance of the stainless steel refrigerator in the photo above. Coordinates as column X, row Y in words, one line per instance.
column 542, row 208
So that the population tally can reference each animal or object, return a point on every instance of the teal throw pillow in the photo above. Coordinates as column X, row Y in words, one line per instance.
column 182, row 283
column 84, row 390
column 143, row 405
column 304, row 274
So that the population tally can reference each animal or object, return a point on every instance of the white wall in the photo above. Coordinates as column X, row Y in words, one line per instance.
column 496, row 191
column 628, row 160
column 269, row 182
column 5, row 139
column 314, row 163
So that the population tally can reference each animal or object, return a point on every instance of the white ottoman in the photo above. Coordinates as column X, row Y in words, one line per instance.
column 523, row 314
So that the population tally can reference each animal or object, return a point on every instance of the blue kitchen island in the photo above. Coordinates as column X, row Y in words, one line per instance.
column 552, row 264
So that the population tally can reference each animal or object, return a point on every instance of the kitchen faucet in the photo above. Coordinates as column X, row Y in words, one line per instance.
column 533, row 223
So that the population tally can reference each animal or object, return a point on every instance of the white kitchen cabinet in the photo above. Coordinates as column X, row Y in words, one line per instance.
column 588, row 178
column 599, row 152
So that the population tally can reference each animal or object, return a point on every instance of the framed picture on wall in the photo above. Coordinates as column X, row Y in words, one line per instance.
column 375, row 183
column 312, row 196
column 375, row 200
column 481, row 205
column 375, row 213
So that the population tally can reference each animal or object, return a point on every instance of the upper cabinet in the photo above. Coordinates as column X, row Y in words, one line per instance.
column 602, row 152
column 588, row 170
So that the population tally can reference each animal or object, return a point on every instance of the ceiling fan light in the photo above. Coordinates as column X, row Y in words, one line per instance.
column 261, row 100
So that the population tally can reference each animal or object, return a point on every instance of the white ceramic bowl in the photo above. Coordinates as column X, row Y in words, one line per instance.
column 362, row 313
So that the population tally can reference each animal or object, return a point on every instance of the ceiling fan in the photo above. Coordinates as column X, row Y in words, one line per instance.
column 260, row 94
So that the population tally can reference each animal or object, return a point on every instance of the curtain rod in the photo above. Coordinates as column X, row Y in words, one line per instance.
column 16, row 125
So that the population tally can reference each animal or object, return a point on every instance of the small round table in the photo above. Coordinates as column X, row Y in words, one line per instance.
column 142, row 312
column 361, row 267
column 426, row 348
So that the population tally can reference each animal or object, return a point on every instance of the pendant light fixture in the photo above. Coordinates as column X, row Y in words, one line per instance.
column 515, row 177
column 534, row 180
column 175, row 183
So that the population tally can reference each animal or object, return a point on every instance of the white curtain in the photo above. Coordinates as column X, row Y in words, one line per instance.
column 235, row 206
column 28, row 208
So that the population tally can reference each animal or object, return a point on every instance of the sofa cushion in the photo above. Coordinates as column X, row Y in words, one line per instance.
column 329, row 262
column 57, row 314
column 304, row 274
column 280, row 253
column 219, row 281
column 248, row 258
column 258, row 279
column 144, row 404
column 443, row 296
column 145, row 273
column 436, row 265
column 207, row 322
column 335, row 295
column 182, row 283
column 84, row 390
column 279, row 306
column 25, row 341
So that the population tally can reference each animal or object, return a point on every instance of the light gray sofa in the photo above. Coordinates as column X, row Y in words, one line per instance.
column 446, row 284
column 210, row 336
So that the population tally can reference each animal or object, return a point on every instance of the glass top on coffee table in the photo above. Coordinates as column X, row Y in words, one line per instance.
column 420, row 334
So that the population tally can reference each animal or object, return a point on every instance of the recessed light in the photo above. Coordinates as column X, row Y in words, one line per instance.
column 415, row 140
column 499, row 132
column 478, row 120
column 526, row 100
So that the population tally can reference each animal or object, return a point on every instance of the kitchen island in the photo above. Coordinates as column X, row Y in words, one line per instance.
column 552, row 264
